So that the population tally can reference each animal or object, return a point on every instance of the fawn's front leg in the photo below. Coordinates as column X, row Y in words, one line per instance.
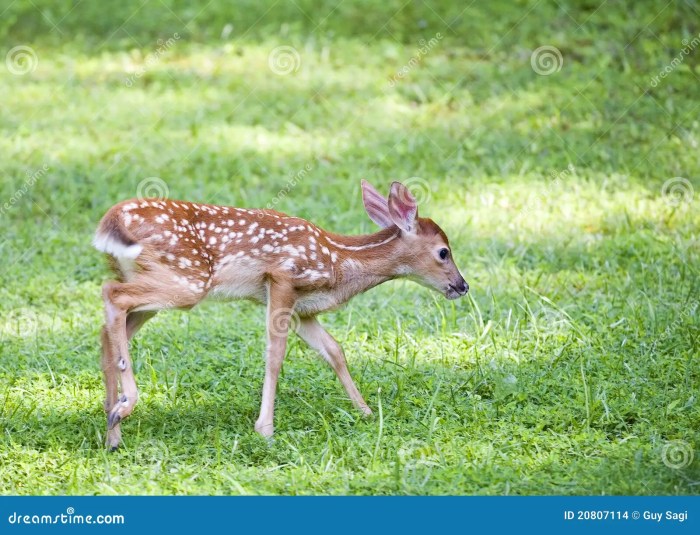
column 280, row 306
column 318, row 338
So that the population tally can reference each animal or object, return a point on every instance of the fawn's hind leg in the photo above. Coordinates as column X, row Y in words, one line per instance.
column 123, row 318
column 110, row 367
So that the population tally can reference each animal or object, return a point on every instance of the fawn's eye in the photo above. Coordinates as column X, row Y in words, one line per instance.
column 443, row 253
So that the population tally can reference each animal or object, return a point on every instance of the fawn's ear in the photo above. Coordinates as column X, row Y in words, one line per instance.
column 402, row 207
column 376, row 206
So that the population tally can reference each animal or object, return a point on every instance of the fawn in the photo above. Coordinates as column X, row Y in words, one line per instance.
column 173, row 254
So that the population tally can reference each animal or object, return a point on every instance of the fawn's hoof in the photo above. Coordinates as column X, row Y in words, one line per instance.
column 114, row 438
column 366, row 411
column 265, row 430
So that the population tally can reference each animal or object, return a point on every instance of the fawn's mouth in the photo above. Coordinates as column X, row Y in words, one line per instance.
column 453, row 293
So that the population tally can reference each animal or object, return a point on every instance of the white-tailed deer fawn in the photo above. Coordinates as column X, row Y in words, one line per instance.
column 173, row 254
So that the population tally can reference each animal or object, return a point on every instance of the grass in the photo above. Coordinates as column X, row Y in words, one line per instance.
column 572, row 367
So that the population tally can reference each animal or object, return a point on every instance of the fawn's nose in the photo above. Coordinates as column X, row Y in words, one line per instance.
column 462, row 286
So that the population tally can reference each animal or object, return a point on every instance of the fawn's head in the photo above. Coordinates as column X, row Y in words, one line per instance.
column 424, row 247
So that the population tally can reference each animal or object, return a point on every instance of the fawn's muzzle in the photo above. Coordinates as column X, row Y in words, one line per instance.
column 458, row 289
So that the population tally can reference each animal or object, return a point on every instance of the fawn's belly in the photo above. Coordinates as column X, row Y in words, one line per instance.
column 256, row 290
column 237, row 283
column 241, row 288
column 315, row 303
column 244, row 278
column 239, row 278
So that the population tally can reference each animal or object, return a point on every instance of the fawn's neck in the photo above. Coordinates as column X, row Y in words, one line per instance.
column 368, row 260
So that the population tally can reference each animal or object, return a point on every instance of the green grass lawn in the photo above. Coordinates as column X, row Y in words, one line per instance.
column 571, row 367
